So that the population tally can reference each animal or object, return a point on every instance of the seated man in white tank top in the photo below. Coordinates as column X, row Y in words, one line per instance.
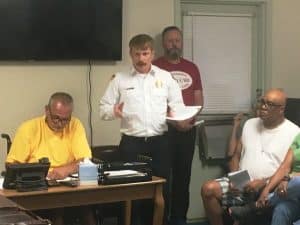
column 264, row 143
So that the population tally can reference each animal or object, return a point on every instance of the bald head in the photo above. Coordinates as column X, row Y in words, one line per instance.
column 62, row 97
column 277, row 95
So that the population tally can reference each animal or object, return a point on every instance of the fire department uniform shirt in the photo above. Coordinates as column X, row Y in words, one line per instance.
column 146, row 98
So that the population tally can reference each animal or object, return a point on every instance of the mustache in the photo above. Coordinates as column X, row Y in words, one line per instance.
column 140, row 63
column 174, row 49
column 174, row 52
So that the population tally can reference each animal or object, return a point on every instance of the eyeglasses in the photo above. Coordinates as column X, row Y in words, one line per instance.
column 56, row 119
column 268, row 104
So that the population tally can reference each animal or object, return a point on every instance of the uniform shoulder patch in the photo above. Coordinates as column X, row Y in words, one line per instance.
column 113, row 77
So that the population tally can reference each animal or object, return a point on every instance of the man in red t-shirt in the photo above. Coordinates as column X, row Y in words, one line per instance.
column 182, row 139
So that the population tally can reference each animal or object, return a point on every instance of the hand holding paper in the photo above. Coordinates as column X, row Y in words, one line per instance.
column 184, row 113
column 185, row 125
column 184, row 118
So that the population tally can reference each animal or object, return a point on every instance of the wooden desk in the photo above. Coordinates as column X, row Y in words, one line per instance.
column 61, row 196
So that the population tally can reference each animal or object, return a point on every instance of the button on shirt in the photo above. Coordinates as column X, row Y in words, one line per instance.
column 145, row 97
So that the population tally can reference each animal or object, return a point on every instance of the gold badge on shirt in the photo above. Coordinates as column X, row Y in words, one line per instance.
column 158, row 84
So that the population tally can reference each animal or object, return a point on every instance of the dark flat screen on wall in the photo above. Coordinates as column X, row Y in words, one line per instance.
column 60, row 29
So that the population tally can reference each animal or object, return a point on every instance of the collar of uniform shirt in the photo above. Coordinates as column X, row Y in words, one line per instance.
column 133, row 71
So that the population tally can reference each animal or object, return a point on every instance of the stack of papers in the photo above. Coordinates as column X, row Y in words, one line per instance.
column 1, row 182
column 185, row 113
column 122, row 173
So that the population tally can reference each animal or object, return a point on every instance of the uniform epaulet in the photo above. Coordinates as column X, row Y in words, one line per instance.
column 113, row 77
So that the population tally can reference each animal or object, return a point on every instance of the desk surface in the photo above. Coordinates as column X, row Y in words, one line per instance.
column 63, row 196
column 54, row 190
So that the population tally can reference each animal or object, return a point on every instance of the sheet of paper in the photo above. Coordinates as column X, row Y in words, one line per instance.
column 121, row 173
column 198, row 122
column 65, row 179
column 185, row 113
column 74, row 175
column 1, row 182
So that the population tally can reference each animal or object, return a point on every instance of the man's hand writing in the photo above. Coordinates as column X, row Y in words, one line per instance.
column 62, row 172
column 58, row 173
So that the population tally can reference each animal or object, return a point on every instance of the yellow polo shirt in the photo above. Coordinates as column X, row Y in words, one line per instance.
column 35, row 140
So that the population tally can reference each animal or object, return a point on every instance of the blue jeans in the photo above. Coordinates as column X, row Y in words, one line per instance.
column 286, row 209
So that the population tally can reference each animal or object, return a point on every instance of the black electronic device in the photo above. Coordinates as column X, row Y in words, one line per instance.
column 143, row 172
column 60, row 29
column 26, row 176
column 140, row 166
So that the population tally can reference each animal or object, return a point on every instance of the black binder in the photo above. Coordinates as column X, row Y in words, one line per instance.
column 144, row 172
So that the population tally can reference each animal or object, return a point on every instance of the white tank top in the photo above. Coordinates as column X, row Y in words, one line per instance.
column 265, row 149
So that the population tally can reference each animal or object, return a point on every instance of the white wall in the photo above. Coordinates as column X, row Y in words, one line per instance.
column 26, row 86
column 286, row 46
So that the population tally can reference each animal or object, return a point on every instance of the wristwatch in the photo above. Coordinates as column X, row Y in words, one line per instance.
column 286, row 178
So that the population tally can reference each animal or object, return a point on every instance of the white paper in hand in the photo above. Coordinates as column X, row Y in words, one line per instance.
column 185, row 113
column 121, row 173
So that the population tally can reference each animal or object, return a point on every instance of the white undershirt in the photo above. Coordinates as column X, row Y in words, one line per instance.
column 264, row 149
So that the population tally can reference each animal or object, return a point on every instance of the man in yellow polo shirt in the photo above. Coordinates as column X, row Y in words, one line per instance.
column 58, row 136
